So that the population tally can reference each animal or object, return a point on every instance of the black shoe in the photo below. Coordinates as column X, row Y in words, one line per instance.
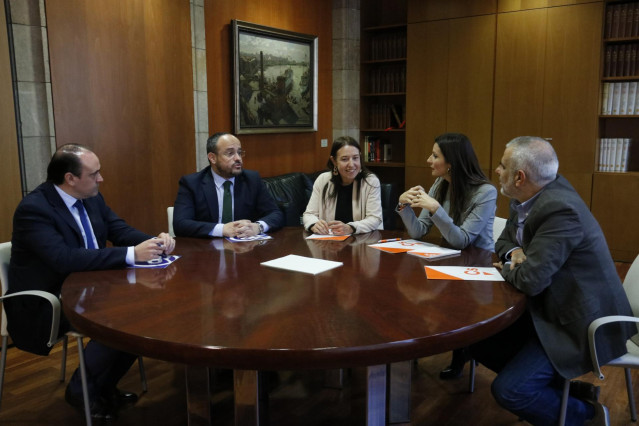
column 456, row 367
column 451, row 372
column 100, row 408
column 119, row 398
column 584, row 390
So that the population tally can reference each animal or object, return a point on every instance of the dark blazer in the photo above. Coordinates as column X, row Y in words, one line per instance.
column 196, row 209
column 46, row 246
column 569, row 277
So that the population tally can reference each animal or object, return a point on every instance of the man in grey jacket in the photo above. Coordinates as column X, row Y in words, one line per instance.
column 553, row 250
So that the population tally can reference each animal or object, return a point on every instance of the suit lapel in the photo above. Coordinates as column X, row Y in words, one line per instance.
column 59, row 208
column 210, row 194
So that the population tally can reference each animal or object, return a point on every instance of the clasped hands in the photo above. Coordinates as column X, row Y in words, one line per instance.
column 517, row 257
column 334, row 227
column 417, row 197
column 154, row 248
column 241, row 229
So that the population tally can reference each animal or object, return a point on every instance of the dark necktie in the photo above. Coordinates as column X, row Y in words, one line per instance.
column 227, row 203
column 84, row 220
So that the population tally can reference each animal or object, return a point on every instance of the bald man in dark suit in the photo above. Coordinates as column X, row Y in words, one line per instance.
column 50, row 241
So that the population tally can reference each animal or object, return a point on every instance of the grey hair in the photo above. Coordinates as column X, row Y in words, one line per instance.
column 536, row 157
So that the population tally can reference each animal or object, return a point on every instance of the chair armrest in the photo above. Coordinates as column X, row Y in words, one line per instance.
column 55, row 308
column 592, row 329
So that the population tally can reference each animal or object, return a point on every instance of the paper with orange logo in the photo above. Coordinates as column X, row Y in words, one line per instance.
column 466, row 273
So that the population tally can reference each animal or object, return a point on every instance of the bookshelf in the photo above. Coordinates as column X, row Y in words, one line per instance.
column 616, row 177
column 619, row 107
column 383, row 89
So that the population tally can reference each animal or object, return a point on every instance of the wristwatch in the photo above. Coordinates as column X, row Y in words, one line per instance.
column 261, row 227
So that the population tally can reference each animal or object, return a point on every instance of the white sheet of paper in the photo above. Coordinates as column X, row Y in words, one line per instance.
column 308, row 265
column 328, row 237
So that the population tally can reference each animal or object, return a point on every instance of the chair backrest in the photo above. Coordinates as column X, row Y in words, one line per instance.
column 5, row 258
column 498, row 227
column 169, row 214
column 631, row 286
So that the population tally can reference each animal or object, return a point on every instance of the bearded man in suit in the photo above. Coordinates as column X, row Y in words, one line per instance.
column 199, row 209
column 62, row 227
column 553, row 250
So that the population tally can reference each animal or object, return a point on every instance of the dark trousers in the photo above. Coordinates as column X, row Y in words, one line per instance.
column 527, row 384
column 105, row 367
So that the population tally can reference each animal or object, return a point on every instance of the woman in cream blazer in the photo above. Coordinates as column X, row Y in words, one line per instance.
column 345, row 200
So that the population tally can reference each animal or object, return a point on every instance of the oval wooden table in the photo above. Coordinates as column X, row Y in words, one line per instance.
column 218, row 307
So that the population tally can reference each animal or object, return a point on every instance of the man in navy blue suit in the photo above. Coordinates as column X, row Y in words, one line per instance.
column 199, row 207
column 63, row 227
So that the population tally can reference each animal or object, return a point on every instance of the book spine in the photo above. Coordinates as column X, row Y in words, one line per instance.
column 612, row 152
column 601, row 150
column 618, row 154
column 605, row 90
column 608, row 27
column 632, row 98
column 616, row 99
column 623, row 104
column 614, row 33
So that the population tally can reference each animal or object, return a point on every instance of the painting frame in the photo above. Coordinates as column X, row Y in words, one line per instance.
column 274, row 80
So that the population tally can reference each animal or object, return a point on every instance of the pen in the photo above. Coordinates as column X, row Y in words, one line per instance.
column 389, row 240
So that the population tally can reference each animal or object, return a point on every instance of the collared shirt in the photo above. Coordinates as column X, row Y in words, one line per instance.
column 523, row 209
column 219, row 189
column 69, row 201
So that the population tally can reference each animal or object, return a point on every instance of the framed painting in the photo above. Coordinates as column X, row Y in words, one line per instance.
column 274, row 78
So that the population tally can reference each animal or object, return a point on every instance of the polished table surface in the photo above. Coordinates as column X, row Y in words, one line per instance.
column 217, row 306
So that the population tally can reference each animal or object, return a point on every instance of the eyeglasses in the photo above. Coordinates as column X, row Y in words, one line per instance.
column 231, row 154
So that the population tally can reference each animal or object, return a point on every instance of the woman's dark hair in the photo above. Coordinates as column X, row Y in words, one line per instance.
column 338, row 144
column 464, row 172
column 66, row 159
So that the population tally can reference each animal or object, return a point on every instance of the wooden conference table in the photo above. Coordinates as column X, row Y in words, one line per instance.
column 218, row 307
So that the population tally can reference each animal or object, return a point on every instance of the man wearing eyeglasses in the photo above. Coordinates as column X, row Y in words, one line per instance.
column 224, row 200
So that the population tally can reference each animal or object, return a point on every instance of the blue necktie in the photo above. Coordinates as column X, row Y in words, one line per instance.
column 84, row 220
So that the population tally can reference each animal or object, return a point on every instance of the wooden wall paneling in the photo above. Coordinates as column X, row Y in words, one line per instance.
column 519, row 71
column 270, row 154
column 615, row 211
column 515, row 5
column 470, row 82
column 427, row 80
column 432, row 10
column 9, row 157
column 122, row 84
column 571, row 89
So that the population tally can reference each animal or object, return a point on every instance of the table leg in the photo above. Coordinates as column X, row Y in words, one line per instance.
column 198, row 401
column 399, row 397
column 376, row 395
column 249, row 398
column 334, row 379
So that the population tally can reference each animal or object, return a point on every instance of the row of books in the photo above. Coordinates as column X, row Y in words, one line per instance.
column 388, row 46
column 386, row 116
column 387, row 79
column 620, row 60
column 622, row 20
column 614, row 154
column 376, row 149
column 620, row 98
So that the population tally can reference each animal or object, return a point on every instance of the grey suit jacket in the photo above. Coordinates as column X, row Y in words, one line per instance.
column 477, row 221
column 569, row 277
